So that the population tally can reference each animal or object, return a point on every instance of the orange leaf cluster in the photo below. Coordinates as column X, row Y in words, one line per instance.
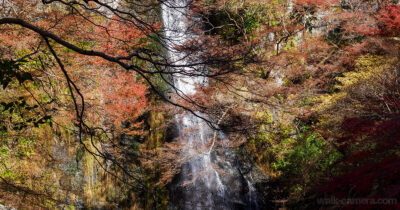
column 125, row 97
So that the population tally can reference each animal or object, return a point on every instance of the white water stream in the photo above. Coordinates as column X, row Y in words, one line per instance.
column 202, row 187
column 199, row 174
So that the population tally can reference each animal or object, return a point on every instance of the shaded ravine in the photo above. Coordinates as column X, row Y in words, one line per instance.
column 200, row 185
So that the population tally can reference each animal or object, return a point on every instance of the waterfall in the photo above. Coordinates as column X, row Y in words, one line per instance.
column 200, row 184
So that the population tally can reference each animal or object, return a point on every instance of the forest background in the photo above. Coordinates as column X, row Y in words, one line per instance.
column 306, row 90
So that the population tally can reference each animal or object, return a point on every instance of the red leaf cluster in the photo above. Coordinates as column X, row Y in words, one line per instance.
column 389, row 17
column 125, row 97
column 373, row 172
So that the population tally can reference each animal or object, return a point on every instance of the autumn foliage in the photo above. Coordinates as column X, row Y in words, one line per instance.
column 56, row 102
column 320, row 109
column 372, row 172
column 389, row 16
column 124, row 97
column 307, row 91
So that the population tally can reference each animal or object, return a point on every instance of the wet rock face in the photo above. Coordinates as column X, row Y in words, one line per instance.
column 198, row 186
column 244, row 186
column 172, row 132
column 248, row 186
column 198, row 195
column 260, row 195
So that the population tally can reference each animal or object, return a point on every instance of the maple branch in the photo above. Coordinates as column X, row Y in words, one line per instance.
column 117, row 60
column 44, row 33
column 215, row 131
column 71, row 84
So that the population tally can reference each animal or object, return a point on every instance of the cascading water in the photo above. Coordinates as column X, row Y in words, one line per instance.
column 200, row 185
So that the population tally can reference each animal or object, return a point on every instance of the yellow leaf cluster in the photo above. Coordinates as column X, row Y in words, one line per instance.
column 368, row 69
column 354, row 88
